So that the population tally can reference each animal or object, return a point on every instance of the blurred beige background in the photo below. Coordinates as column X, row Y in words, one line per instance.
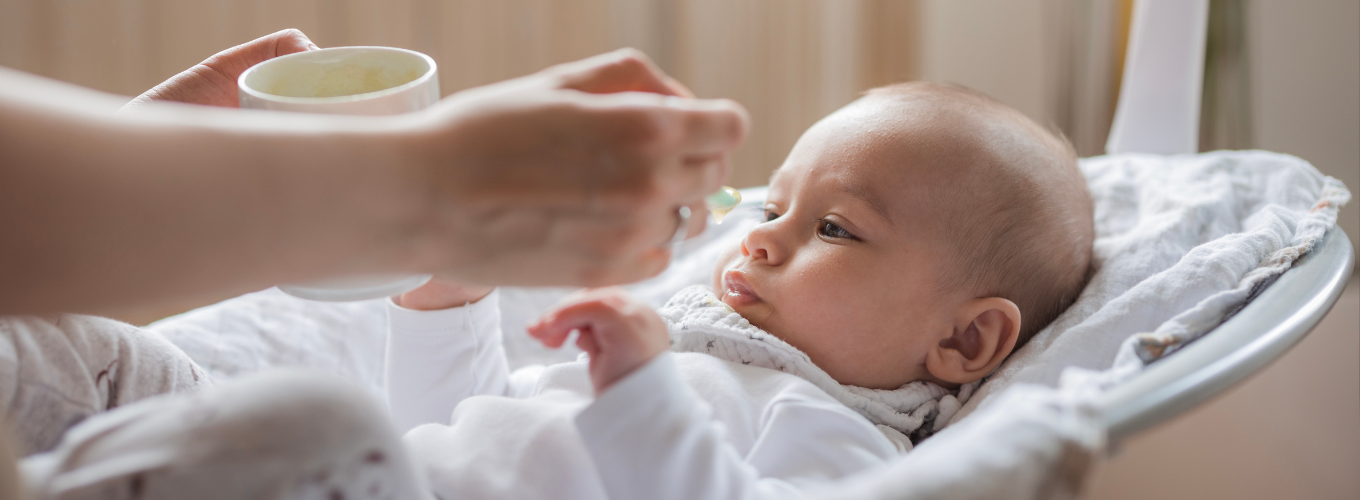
column 789, row 61
column 1291, row 83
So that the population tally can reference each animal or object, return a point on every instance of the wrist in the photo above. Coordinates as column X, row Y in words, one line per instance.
column 433, row 298
column 389, row 205
column 399, row 203
column 480, row 318
column 430, row 149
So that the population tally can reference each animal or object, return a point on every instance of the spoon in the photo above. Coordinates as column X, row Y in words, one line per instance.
column 722, row 202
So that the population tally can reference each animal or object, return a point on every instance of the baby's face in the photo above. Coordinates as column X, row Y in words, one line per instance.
column 844, row 267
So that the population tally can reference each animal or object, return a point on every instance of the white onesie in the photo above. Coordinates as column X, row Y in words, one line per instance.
column 685, row 426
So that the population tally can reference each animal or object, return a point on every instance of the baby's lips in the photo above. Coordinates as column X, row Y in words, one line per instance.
column 737, row 288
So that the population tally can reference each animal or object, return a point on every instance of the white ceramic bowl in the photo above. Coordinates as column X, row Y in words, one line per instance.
column 347, row 81
column 343, row 80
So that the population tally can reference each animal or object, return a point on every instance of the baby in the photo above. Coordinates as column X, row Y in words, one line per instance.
column 912, row 241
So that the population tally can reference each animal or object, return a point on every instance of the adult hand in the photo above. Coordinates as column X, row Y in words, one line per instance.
column 573, row 175
column 213, row 81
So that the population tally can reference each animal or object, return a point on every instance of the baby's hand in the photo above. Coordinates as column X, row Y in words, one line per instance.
column 442, row 294
column 619, row 332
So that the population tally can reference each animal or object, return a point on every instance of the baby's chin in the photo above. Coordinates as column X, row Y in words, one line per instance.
column 756, row 312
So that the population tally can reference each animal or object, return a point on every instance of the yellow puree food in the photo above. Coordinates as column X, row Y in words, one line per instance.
column 341, row 80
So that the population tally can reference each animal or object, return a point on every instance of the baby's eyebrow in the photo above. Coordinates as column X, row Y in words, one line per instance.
column 867, row 196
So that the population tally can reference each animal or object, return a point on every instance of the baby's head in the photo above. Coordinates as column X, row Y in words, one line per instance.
column 922, row 232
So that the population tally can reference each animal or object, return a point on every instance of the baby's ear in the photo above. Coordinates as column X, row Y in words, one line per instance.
column 985, row 331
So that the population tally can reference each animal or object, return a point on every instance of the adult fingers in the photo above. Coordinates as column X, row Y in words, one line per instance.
column 213, row 81
column 698, row 220
column 623, row 70
column 709, row 128
column 688, row 140
column 681, row 89
column 694, row 128
column 232, row 62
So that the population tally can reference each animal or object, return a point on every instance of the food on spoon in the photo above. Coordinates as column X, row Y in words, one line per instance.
column 722, row 202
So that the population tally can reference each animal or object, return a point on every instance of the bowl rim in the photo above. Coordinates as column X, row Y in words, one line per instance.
column 420, row 80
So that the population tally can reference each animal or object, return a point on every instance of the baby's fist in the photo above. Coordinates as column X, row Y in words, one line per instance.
column 619, row 332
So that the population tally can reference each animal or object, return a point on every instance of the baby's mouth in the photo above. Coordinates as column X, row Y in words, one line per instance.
column 737, row 291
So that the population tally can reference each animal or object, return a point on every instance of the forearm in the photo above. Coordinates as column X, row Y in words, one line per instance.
column 103, row 211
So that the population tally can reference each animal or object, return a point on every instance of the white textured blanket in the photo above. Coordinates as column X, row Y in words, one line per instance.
column 1182, row 242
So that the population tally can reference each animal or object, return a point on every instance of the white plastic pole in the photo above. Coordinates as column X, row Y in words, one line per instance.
column 1159, row 98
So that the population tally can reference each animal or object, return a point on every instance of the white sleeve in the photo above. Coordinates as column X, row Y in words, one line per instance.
column 435, row 359
column 650, row 437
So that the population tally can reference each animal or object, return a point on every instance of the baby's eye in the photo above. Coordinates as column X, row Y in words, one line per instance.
column 770, row 215
column 831, row 230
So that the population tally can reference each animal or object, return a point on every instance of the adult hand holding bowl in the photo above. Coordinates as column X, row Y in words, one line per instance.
column 569, row 176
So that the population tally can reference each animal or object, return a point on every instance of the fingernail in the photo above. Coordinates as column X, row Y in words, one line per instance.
column 312, row 46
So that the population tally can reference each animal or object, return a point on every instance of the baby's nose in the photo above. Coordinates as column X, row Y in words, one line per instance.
column 760, row 244
column 746, row 251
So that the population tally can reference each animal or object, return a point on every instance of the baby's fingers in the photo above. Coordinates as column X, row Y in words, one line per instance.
column 551, row 336
column 586, row 342
column 557, row 325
